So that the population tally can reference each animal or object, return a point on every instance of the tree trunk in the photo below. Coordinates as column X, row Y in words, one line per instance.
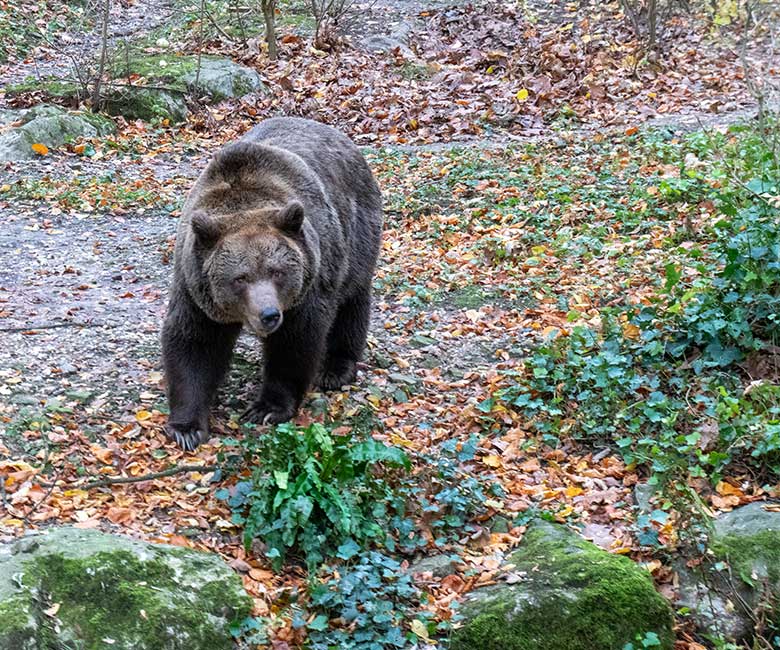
column 269, row 9
column 103, row 52
column 652, row 18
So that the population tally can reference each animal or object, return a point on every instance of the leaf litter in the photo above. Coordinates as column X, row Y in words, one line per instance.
column 480, row 246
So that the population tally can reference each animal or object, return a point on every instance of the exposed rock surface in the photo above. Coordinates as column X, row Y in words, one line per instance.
column 71, row 588
column 221, row 78
column 565, row 593
column 724, row 595
column 48, row 125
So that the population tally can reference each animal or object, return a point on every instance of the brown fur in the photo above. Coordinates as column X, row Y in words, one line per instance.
column 280, row 234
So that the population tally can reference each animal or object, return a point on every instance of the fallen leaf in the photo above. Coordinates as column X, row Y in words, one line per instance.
column 420, row 629
column 492, row 460
column 120, row 515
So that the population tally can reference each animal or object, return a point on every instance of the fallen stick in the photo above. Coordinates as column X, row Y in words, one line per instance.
column 171, row 471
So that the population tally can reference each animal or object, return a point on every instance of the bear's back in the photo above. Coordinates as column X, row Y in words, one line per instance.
column 344, row 175
column 331, row 155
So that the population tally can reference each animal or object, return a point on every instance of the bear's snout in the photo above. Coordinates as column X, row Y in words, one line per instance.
column 264, row 315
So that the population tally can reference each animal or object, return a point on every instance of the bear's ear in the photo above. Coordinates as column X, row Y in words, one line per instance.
column 290, row 218
column 206, row 228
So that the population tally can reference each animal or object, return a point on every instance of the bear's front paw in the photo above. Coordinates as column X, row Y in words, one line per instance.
column 336, row 375
column 262, row 412
column 188, row 437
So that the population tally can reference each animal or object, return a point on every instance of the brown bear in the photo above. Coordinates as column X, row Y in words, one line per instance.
column 280, row 234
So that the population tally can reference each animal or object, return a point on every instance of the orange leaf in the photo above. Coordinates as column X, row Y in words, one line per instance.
column 631, row 331
column 103, row 455
column 453, row 583
column 725, row 503
column 531, row 465
column 120, row 515
column 632, row 130
column 261, row 575
column 41, row 149
column 727, row 489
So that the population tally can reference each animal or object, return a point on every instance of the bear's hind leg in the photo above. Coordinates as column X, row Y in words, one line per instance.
column 346, row 341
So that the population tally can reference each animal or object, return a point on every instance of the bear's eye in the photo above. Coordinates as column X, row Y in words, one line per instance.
column 239, row 281
column 276, row 273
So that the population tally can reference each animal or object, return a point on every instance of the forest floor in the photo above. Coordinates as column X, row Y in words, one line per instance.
column 463, row 137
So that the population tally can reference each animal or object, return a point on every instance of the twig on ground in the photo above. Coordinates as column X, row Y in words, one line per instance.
column 37, row 504
column 171, row 471
column 46, row 326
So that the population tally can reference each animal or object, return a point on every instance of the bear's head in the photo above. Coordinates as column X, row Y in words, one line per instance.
column 254, row 264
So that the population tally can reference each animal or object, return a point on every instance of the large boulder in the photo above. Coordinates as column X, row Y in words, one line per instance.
column 565, row 593
column 222, row 79
column 398, row 39
column 741, row 576
column 148, row 104
column 71, row 588
column 48, row 125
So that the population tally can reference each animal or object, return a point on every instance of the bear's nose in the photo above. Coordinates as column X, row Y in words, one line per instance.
column 269, row 317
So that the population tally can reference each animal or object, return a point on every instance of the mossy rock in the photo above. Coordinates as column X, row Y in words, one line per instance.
column 51, row 87
column 48, row 125
column 744, row 576
column 168, row 70
column 148, row 104
column 567, row 594
column 222, row 79
column 110, row 591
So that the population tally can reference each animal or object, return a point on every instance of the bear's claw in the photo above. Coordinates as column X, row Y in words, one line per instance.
column 265, row 414
column 187, row 440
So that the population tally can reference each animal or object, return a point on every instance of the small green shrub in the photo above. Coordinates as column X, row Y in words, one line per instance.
column 315, row 492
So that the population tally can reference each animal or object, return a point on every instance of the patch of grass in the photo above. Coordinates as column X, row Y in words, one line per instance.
column 410, row 70
column 105, row 193
column 50, row 87
column 168, row 69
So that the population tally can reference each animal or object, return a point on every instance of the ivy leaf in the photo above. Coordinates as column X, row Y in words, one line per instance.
column 348, row 550
column 319, row 624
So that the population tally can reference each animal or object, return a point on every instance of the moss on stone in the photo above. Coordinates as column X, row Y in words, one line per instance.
column 49, row 86
column 221, row 600
column 141, row 596
column 18, row 627
column 147, row 104
column 575, row 596
column 103, row 125
column 167, row 69
column 754, row 558
column 115, row 594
